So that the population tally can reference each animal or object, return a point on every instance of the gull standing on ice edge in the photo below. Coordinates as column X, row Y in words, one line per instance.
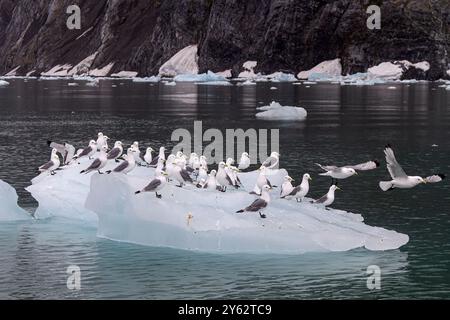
column 102, row 140
column 98, row 163
column 148, row 155
column 88, row 151
column 66, row 150
column 127, row 165
column 300, row 191
column 286, row 187
column 328, row 199
column 115, row 152
column 161, row 155
column 156, row 184
column 52, row 165
column 244, row 163
column 259, row 204
column 399, row 178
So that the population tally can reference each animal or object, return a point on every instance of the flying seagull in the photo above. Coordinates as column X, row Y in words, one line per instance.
column 399, row 177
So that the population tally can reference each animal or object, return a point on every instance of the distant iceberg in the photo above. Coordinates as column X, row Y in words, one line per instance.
column 147, row 79
column 202, row 77
column 275, row 111
column 4, row 83
column 9, row 210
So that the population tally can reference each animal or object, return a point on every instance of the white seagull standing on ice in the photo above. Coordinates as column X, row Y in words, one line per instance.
column 102, row 140
column 400, row 179
column 328, row 198
column 261, row 181
column 244, row 162
column 52, row 165
column 161, row 155
column 148, row 155
column 286, row 187
column 127, row 165
column 300, row 191
column 137, row 153
column 259, row 204
column 222, row 177
column 88, row 151
column 156, row 184
column 66, row 150
column 98, row 163
column 115, row 152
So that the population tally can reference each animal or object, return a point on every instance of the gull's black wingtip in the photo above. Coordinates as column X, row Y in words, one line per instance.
column 377, row 163
column 137, row 192
column 388, row 145
column 49, row 142
column 442, row 176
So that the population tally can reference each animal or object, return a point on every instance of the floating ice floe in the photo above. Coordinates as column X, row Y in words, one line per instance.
column 9, row 210
column 183, row 62
column 169, row 83
column 4, row 83
column 281, row 77
column 101, row 72
column 202, row 77
column 275, row 111
column 198, row 219
column 148, row 79
column 73, row 84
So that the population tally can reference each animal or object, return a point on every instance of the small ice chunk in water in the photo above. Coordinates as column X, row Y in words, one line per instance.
column 275, row 111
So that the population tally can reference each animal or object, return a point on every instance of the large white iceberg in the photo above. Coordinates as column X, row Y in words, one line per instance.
column 276, row 111
column 198, row 219
column 193, row 219
column 4, row 83
column 9, row 210
column 184, row 61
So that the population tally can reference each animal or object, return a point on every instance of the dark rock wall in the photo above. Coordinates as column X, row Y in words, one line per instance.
column 287, row 35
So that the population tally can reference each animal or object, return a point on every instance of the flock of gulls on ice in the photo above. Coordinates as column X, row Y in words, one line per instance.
column 182, row 169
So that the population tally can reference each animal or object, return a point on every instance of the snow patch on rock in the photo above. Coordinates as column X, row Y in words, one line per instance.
column 184, row 61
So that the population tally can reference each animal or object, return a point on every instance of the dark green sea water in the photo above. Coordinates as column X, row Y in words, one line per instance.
column 345, row 124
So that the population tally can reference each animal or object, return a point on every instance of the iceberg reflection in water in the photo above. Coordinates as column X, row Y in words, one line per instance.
column 36, row 254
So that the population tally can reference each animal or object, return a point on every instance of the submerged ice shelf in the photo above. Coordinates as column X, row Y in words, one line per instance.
column 197, row 219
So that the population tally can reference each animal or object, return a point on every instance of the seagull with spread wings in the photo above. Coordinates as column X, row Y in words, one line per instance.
column 399, row 177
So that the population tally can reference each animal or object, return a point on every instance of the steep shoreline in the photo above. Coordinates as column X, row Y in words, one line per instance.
column 289, row 36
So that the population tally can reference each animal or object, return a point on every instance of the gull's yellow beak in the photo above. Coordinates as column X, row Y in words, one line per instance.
column 337, row 188
column 309, row 178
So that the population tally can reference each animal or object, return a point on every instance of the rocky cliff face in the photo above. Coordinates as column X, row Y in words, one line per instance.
column 287, row 35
